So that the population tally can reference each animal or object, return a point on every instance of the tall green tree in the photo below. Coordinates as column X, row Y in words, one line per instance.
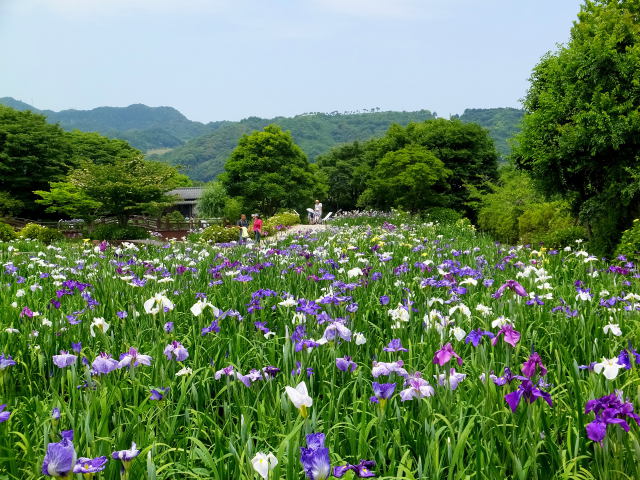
column 32, row 153
column 581, row 131
column 213, row 200
column 124, row 187
column 406, row 179
column 270, row 171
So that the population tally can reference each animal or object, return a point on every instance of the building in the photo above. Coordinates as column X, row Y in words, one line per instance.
column 187, row 202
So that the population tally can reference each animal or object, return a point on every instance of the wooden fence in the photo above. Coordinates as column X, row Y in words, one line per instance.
column 153, row 224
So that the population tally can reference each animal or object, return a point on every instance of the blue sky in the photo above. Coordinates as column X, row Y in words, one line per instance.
column 230, row 59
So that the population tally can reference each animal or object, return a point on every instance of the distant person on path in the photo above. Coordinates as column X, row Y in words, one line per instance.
column 317, row 208
column 243, row 223
column 257, row 228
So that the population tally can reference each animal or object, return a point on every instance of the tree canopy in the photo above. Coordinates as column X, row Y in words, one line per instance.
column 269, row 171
column 581, row 131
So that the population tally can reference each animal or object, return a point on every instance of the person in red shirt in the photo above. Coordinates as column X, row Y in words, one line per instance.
column 257, row 228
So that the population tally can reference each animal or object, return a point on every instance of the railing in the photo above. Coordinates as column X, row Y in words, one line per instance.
column 154, row 224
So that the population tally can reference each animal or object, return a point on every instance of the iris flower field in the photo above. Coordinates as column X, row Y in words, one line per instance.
column 387, row 348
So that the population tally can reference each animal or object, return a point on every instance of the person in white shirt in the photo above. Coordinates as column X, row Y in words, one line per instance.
column 318, row 211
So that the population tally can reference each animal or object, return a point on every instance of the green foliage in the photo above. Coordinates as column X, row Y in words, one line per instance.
column 539, row 219
column 7, row 233
column 269, row 171
column 173, row 217
column 213, row 201
column 9, row 205
column 118, row 232
column 233, row 208
column 125, row 187
column 581, row 131
column 279, row 222
column 46, row 235
column 441, row 215
column 70, row 200
column 32, row 153
column 507, row 201
column 630, row 242
column 503, row 124
column 405, row 178
column 220, row 234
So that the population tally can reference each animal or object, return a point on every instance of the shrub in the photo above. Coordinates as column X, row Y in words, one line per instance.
column 279, row 222
column 629, row 245
column 46, row 235
column 174, row 217
column 232, row 209
column 219, row 234
column 540, row 220
column 118, row 232
column 442, row 215
column 563, row 237
column 7, row 233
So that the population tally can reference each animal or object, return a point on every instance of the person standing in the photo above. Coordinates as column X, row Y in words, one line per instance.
column 243, row 223
column 317, row 209
column 257, row 228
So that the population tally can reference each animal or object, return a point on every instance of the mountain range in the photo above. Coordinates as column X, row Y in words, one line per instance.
column 201, row 149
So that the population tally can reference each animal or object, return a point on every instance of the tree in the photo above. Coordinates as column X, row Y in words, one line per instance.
column 581, row 131
column 406, row 179
column 32, row 153
column 125, row 187
column 270, row 171
column 98, row 148
column 213, row 200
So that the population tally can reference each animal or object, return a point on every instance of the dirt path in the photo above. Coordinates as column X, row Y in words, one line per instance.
column 297, row 229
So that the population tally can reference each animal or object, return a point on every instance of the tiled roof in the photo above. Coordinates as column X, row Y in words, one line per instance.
column 187, row 193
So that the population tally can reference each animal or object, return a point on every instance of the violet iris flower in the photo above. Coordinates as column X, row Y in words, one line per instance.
column 76, row 347
column 345, row 364
column 511, row 285
column 384, row 300
column 90, row 465
column 417, row 387
column 177, row 350
column 104, row 364
column 168, row 327
column 445, row 354
column 315, row 458
column 382, row 391
column 511, row 336
column 395, row 345
column 532, row 364
column 55, row 413
column 65, row 359
column 132, row 359
column 362, row 470
column 60, row 457
column 388, row 368
column 475, row 336
column 126, row 455
column 529, row 392
column 609, row 410
column 6, row 361
column 4, row 416
column 158, row 393
column 214, row 327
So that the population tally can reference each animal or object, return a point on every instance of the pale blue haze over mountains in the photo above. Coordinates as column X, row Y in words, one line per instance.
column 231, row 59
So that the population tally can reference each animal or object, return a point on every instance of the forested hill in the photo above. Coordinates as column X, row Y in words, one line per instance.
column 502, row 123
column 203, row 158
column 145, row 128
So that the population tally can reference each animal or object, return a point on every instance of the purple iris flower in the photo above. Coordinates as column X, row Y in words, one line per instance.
column 76, row 347
column 513, row 286
column 262, row 326
column 511, row 336
column 126, row 455
column 532, row 364
column 158, row 393
column 315, row 458
column 475, row 336
column 226, row 371
column 168, row 327
column 445, row 354
column 60, row 457
column 104, row 364
column 90, row 465
column 65, row 359
column 122, row 314
column 26, row 312
column 384, row 300
column 345, row 364
column 55, row 413
column 395, row 345
column 388, row 368
column 214, row 327
column 507, row 377
column 609, row 410
column 529, row 392
column 175, row 350
column 133, row 358
column 6, row 361
column 4, row 415
column 362, row 470
column 382, row 391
